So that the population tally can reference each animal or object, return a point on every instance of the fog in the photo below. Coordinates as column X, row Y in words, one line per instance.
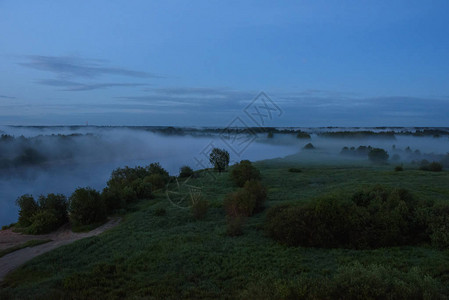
column 85, row 156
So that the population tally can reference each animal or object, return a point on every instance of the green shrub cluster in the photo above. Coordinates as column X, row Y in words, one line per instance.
column 44, row 215
column 127, row 184
column 433, row 166
column 378, row 155
column 371, row 218
column 244, row 171
column 86, row 207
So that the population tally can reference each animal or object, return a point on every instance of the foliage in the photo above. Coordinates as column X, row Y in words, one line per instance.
column 294, row 170
column 378, row 155
column 86, row 207
column 439, row 225
column 373, row 218
column 219, row 158
column 433, row 166
column 44, row 215
column 27, row 208
column 270, row 135
column 240, row 203
column 185, row 171
column 302, row 135
column 244, row 171
column 160, row 212
column 398, row 168
column 234, row 225
column 256, row 188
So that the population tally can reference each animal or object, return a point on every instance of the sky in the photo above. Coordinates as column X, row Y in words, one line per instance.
column 201, row 63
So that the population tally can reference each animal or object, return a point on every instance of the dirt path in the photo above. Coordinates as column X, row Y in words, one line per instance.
column 59, row 238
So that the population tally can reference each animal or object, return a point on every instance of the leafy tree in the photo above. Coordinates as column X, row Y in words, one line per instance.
column 86, row 207
column 185, row 171
column 378, row 155
column 27, row 208
column 219, row 158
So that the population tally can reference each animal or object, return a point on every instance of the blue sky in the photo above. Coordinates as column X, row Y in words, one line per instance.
column 325, row 63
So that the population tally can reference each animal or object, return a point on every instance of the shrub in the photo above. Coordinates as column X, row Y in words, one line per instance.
column 43, row 221
column 244, row 171
column 199, row 208
column 185, row 171
column 302, row 135
column 219, row 158
column 240, row 203
column 309, row 146
column 398, row 169
column 86, row 207
column 57, row 203
column 27, row 208
column 256, row 188
column 373, row 218
column 378, row 155
column 439, row 225
column 270, row 135
column 113, row 198
column 433, row 167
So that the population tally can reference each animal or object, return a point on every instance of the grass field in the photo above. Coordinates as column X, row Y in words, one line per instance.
column 174, row 256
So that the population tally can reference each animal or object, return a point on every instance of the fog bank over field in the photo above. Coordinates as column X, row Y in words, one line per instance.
column 41, row 160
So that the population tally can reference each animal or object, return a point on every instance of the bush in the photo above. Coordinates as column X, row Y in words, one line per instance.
column 398, row 169
column 439, row 225
column 302, row 135
column 433, row 166
column 86, row 207
column 199, row 208
column 294, row 170
column 373, row 218
column 270, row 135
column 27, row 208
column 240, row 203
column 256, row 188
column 244, row 171
column 219, row 158
column 185, row 172
column 378, row 155
column 43, row 221
column 57, row 203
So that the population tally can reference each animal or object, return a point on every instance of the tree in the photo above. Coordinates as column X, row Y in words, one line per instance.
column 219, row 158
column 244, row 171
column 86, row 207
column 28, row 207
column 378, row 155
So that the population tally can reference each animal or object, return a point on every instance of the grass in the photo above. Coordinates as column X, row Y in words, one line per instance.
column 172, row 255
column 31, row 243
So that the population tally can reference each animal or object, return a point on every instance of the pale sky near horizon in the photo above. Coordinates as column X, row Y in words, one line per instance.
column 199, row 63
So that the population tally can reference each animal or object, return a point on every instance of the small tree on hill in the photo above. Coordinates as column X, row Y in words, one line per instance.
column 219, row 158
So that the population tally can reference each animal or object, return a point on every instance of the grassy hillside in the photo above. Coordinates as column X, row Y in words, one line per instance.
column 172, row 255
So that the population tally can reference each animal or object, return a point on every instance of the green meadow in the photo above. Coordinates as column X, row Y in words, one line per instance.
column 160, row 251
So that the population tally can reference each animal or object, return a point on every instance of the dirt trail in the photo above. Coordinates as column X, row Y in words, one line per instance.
column 61, row 237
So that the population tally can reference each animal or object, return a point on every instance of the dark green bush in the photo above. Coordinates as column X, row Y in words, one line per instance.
column 294, row 170
column 86, row 207
column 199, row 208
column 27, row 208
column 256, row 188
column 439, row 225
column 433, row 166
column 244, row 171
column 378, row 155
column 398, row 169
column 373, row 218
column 57, row 203
column 185, row 172
column 43, row 221
column 160, row 212
column 240, row 203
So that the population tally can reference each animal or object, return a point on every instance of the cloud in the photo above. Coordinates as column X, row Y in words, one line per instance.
column 71, row 86
column 7, row 97
column 76, row 67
